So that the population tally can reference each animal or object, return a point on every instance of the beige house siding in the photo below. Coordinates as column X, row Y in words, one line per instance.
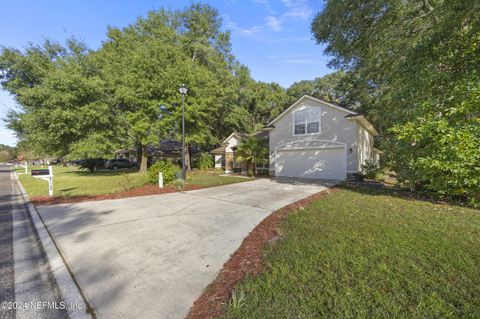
column 364, row 141
column 229, row 156
column 232, row 142
column 335, row 129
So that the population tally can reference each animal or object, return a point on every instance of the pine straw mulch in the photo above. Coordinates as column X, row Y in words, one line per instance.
column 134, row 192
column 248, row 259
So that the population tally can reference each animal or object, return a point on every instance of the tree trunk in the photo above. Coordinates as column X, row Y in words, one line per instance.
column 188, row 164
column 139, row 153
column 144, row 159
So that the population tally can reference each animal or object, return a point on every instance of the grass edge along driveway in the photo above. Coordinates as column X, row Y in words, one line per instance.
column 363, row 253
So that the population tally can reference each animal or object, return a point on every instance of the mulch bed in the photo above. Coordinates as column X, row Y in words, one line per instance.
column 248, row 259
column 139, row 191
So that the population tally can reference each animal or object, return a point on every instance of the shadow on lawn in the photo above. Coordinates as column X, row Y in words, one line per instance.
column 400, row 192
column 67, row 190
column 102, row 172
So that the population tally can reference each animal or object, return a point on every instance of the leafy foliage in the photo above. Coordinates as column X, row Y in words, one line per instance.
column 371, row 169
column 7, row 153
column 205, row 161
column 178, row 184
column 62, row 98
column 330, row 88
column 168, row 169
column 412, row 68
column 251, row 151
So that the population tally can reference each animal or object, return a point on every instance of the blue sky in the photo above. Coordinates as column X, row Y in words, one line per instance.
column 272, row 37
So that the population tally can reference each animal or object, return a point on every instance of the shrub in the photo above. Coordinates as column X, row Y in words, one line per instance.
column 371, row 169
column 168, row 169
column 205, row 161
column 178, row 184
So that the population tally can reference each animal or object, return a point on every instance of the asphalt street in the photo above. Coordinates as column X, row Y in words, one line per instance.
column 26, row 280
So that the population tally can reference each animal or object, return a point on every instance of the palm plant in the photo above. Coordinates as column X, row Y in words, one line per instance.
column 251, row 151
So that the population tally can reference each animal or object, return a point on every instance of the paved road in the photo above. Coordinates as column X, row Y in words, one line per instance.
column 25, row 275
column 152, row 256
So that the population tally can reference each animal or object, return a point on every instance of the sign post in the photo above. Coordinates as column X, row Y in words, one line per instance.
column 46, row 175
column 25, row 166
column 160, row 180
column 50, row 181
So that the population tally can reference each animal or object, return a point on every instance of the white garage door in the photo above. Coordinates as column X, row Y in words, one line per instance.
column 324, row 163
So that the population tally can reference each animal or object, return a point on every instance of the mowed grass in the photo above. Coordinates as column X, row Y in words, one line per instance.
column 212, row 178
column 362, row 253
column 72, row 181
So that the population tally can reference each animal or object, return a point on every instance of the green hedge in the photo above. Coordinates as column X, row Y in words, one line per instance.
column 168, row 169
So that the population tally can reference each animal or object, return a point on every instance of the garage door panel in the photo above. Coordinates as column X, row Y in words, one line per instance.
column 312, row 163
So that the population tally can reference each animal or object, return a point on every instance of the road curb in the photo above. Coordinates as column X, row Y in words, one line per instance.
column 69, row 288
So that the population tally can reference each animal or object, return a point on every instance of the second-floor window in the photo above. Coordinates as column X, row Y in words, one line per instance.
column 306, row 121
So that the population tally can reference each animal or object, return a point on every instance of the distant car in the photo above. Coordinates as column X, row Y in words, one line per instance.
column 78, row 162
column 118, row 163
column 56, row 161
column 92, row 164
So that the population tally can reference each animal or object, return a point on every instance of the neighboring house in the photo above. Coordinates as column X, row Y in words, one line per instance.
column 166, row 149
column 225, row 155
column 315, row 139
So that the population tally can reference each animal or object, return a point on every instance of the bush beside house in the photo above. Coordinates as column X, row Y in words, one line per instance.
column 168, row 169
column 205, row 161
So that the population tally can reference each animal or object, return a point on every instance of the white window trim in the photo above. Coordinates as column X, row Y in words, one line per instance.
column 319, row 121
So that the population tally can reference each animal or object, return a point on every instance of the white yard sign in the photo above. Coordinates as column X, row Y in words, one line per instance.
column 25, row 166
column 46, row 175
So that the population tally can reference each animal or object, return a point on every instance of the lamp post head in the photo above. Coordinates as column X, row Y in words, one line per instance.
column 183, row 89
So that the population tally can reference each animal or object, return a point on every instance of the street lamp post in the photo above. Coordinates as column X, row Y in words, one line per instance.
column 183, row 90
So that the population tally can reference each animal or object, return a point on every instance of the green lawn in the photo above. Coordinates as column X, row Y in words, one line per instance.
column 361, row 253
column 212, row 178
column 71, row 181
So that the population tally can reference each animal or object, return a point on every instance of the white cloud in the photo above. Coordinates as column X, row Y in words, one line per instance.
column 300, row 58
column 273, row 23
column 298, row 9
column 267, row 5
column 288, row 40
column 250, row 31
column 231, row 25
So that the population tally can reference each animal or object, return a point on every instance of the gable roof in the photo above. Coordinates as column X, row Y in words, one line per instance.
column 240, row 136
column 364, row 122
column 351, row 115
column 308, row 97
column 261, row 135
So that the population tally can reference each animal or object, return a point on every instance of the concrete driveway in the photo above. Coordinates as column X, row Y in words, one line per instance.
column 152, row 256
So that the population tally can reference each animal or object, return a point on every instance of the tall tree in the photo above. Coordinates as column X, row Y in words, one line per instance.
column 330, row 88
column 63, row 106
column 146, row 62
column 7, row 153
column 414, row 64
